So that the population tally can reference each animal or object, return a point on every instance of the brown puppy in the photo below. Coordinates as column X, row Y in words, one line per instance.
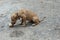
column 28, row 15
column 25, row 15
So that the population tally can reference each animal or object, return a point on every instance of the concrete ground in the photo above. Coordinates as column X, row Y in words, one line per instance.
column 49, row 29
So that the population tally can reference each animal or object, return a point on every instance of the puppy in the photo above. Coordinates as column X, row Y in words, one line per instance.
column 29, row 16
column 25, row 15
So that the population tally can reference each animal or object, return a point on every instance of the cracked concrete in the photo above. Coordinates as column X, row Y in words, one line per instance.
column 49, row 29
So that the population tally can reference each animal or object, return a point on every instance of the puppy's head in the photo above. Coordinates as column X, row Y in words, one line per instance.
column 14, row 16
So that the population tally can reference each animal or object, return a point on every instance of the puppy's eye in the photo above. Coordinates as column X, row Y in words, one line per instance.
column 15, row 17
column 12, row 19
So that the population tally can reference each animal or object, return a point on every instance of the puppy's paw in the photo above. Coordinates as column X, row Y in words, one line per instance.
column 23, row 25
column 33, row 24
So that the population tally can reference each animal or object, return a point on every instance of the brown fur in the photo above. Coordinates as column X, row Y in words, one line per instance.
column 25, row 15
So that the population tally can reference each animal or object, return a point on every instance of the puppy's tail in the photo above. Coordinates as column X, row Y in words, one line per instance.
column 42, row 19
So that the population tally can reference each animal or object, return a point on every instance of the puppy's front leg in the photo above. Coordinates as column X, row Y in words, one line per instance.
column 23, row 20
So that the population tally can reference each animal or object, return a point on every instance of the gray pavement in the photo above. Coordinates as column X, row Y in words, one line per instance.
column 49, row 29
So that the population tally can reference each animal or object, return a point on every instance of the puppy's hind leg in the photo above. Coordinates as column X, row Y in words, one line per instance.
column 36, row 21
